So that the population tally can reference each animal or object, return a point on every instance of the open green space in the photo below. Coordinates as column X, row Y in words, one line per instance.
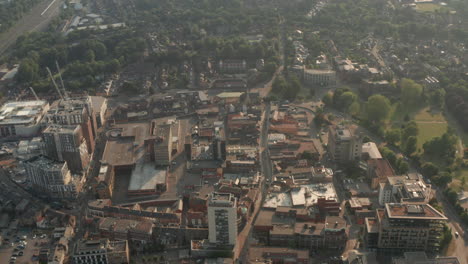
column 427, row 131
column 427, row 7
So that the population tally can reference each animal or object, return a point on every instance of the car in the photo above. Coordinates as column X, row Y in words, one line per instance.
column 174, row 163
column 21, row 247
column 21, row 253
column 457, row 234
column 34, row 236
column 16, row 249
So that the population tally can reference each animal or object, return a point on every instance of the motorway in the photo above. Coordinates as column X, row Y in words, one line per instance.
column 35, row 20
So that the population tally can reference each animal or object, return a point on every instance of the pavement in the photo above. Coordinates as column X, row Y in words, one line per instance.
column 35, row 20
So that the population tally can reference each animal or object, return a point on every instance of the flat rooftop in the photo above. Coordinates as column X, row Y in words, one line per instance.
column 22, row 113
column 413, row 211
column 261, row 254
column 303, row 195
column 146, row 177
column 126, row 144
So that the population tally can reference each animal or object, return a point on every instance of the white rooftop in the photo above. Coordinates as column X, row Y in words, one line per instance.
column 24, row 112
column 301, row 196
column 145, row 177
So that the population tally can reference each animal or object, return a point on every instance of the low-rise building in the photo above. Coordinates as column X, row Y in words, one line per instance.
column 320, row 77
column 277, row 255
column 101, row 251
column 22, row 119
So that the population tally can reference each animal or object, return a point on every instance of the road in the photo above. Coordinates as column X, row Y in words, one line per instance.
column 459, row 245
column 35, row 20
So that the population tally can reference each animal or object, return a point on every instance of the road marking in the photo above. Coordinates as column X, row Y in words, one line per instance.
column 47, row 8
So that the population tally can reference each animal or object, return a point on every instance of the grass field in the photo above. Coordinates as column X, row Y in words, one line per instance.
column 427, row 7
column 427, row 131
column 430, row 125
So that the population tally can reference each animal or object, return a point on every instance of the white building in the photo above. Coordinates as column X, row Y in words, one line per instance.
column 320, row 77
column 22, row 119
column 222, row 219
column 409, row 188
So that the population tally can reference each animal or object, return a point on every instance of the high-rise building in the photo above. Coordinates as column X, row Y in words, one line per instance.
column 76, row 111
column 222, row 219
column 344, row 144
column 404, row 227
column 66, row 143
column 101, row 251
column 50, row 176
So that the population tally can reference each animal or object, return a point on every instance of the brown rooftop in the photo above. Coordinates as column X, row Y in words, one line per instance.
column 262, row 254
column 425, row 211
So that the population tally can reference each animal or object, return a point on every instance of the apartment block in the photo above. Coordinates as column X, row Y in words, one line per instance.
column 344, row 144
column 404, row 227
column 222, row 219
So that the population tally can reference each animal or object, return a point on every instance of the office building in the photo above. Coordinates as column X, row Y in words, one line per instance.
column 101, row 251
column 344, row 144
column 51, row 177
column 405, row 227
column 222, row 219
column 22, row 119
column 66, row 143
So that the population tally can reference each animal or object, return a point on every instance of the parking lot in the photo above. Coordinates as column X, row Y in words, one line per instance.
column 25, row 242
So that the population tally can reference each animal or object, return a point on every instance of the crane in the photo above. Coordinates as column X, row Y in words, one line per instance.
column 34, row 93
column 53, row 81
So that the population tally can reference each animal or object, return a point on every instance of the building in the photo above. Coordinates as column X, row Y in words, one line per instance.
column 66, row 143
column 300, row 229
column 52, row 177
column 421, row 258
column 98, row 104
column 278, row 255
column 405, row 227
column 101, row 251
column 76, row 111
column 22, row 119
column 163, row 145
column 378, row 171
column 319, row 77
column 232, row 66
column 370, row 151
column 403, row 189
column 222, row 219
column 344, row 144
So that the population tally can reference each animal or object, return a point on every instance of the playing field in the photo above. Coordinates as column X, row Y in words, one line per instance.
column 430, row 126
column 427, row 7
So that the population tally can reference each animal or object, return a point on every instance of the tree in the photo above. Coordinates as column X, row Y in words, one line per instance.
column 346, row 99
column 28, row 71
column 444, row 146
column 402, row 166
column 428, row 169
column 410, row 129
column 411, row 145
column 442, row 179
column 410, row 91
column 327, row 99
column 393, row 136
column 378, row 108
column 437, row 98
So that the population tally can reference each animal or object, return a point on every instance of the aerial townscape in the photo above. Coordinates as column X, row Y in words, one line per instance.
column 234, row 131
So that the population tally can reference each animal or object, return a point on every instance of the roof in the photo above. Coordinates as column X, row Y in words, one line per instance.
column 262, row 254
column 146, row 177
column 97, row 102
column 230, row 95
column 305, row 195
column 381, row 168
column 24, row 112
column 412, row 211
column 371, row 149
column 372, row 225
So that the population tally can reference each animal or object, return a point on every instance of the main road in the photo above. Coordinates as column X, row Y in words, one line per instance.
column 36, row 19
